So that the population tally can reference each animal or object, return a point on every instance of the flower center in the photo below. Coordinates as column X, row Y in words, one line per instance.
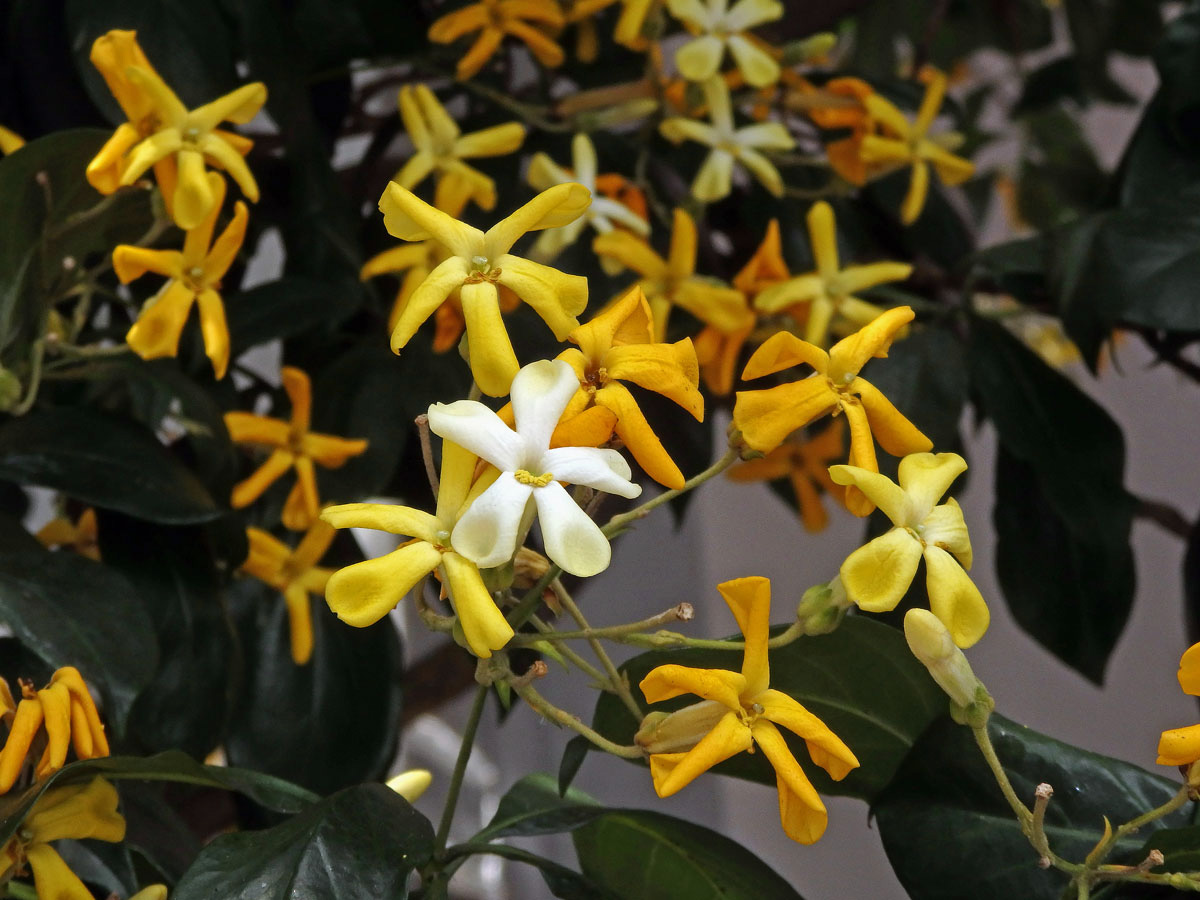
column 481, row 271
column 441, row 541
column 194, row 279
column 532, row 480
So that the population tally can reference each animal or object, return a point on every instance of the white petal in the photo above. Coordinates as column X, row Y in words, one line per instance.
column 474, row 427
column 488, row 531
column 602, row 469
column 572, row 540
column 540, row 393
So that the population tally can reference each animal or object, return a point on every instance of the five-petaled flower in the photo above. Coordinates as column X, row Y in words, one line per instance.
column 905, row 143
column 714, row 180
column 717, row 26
column 878, row 574
column 161, row 128
column 1181, row 746
column 828, row 293
column 64, row 710
column 478, row 263
column 618, row 345
column 295, row 574
column 75, row 812
column 491, row 529
column 195, row 275
column 494, row 19
column 673, row 281
column 292, row 446
column 768, row 416
column 441, row 147
column 363, row 593
column 739, row 711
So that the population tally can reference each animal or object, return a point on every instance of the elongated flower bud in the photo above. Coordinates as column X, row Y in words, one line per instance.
column 932, row 644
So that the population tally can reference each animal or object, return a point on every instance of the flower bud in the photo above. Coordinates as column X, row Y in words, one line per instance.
column 679, row 731
column 931, row 642
column 810, row 50
column 823, row 607
column 411, row 784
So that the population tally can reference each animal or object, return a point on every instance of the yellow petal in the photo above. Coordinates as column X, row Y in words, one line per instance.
column 454, row 25
column 104, row 170
column 300, row 628
column 214, row 330
column 303, row 503
column 858, row 278
column 22, row 729
column 801, row 811
column 483, row 49
column 238, row 106
column 783, row 350
column 312, row 546
column 755, row 64
column 331, row 451
column 1189, row 670
column 156, row 332
column 671, row 680
column 918, row 190
column 714, row 304
column 822, row 234
column 365, row 592
column 112, row 54
column 495, row 141
column 447, row 277
column 800, row 289
column 895, row 433
column 681, row 261
column 493, row 362
column 53, row 878
column 925, row 477
column 749, row 599
column 298, row 387
column 699, row 59
column 131, row 262
column 56, row 720
column 954, row 598
column 77, row 811
column 484, row 626
column 247, row 428
column 852, row 353
column 246, row 492
column 668, row 369
column 1179, row 746
column 194, row 199
column 881, row 491
column 674, row 771
column 627, row 320
column 555, row 296
column 397, row 259
column 631, row 252
column 714, row 179
column 826, row 749
column 225, row 250
column 766, row 417
column 877, row 575
column 402, row 520
column 552, row 208
column 409, row 218
column 590, row 428
column 638, row 436
column 454, row 481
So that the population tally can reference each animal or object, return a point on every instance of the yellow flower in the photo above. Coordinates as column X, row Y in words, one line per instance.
column 604, row 214
column 67, row 713
column 195, row 276
column 80, row 536
column 293, row 446
column 441, row 147
column 295, row 574
column 907, row 143
column 837, row 106
column 75, row 812
column 768, row 416
column 494, row 19
column 739, row 711
column 934, row 647
column 1181, row 746
column 672, row 281
column 829, row 291
column 161, row 127
column 618, row 345
column 729, row 145
column 10, row 141
column 877, row 575
column 719, row 27
column 411, row 784
column 805, row 466
column 477, row 264
column 365, row 592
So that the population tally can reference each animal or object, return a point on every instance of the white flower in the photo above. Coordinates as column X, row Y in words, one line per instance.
column 488, row 532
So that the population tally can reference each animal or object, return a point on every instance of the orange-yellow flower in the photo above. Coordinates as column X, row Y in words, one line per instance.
column 295, row 574
column 494, row 19
column 161, row 128
column 64, row 710
column 618, row 345
column 805, row 465
column 1181, row 746
column 293, row 446
column 766, row 417
column 838, row 105
column 195, row 275
column 737, row 712
column 80, row 535
column 10, row 141
column 673, row 281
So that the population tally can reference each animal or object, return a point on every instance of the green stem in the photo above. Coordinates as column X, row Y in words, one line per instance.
column 561, row 717
column 618, row 523
column 670, row 639
column 1176, row 802
column 616, row 680
column 606, row 631
column 529, row 603
column 984, row 740
column 549, row 634
column 36, row 357
column 20, row 891
column 460, row 768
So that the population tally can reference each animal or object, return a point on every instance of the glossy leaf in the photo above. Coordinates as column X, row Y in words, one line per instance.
column 861, row 680
column 949, row 833
column 361, row 842
column 71, row 611
column 650, row 856
column 288, row 306
column 103, row 461
column 533, row 806
column 562, row 882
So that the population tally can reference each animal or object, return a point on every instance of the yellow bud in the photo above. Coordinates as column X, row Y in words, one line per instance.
column 153, row 892
column 931, row 642
column 679, row 731
column 411, row 784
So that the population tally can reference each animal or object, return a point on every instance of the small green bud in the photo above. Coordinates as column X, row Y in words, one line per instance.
column 10, row 390
column 823, row 607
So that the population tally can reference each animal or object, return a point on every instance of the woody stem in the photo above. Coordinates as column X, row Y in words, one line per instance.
column 615, row 679
column 460, row 768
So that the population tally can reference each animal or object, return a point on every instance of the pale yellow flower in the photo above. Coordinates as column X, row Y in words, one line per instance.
column 718, row 26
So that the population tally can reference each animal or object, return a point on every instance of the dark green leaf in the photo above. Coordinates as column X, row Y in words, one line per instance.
column 533, row 806
column 327, row 724
column 71, row 611
column 1050, row 84
column 103, row 461
column 1180, row 846
column 573, row 756
column 359, row 844
column 643, row 855
column 862, row 680
column 564, row 883
column 273, row 793
column 187, row 704
column 949, row 833
column 1076, row 453
column 1059, row 177
column 288, row 306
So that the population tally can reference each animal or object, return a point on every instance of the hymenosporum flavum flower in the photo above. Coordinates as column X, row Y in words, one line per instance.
column 738, row 711
column 490, row 531
column 717, row 26
column 1181, row 746
column 494, row 19
column 478, row 263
